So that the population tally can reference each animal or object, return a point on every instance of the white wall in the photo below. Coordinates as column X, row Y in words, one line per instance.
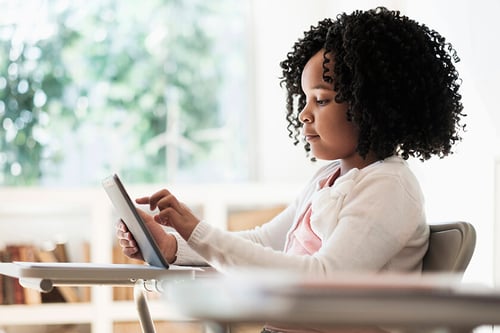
column 460, row 187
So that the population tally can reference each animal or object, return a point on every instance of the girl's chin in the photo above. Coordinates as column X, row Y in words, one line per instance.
column 322, row 155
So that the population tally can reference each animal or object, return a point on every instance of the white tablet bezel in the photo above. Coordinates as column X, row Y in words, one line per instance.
column 128, row 213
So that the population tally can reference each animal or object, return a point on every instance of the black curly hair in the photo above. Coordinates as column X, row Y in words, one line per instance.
column 396, row 75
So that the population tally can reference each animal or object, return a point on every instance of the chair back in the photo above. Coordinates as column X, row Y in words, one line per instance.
column 451, row 246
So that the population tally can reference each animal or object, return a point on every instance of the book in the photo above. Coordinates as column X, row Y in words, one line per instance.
column 2, row 279
column 7, row 281
column 85, row 292
column 14, row 288
column 123, row 293
column 31, row 296
column 48, row 254
column 60, row 252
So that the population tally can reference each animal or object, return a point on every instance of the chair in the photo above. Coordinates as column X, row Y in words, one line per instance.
column 451, row 246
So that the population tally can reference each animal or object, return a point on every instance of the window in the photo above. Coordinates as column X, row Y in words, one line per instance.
column 155, row 90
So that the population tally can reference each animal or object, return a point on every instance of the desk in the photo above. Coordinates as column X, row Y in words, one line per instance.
column 405, row 303
column 254, row 297
column 45, row 276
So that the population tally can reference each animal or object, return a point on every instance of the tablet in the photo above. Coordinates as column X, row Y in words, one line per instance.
column 128, row 213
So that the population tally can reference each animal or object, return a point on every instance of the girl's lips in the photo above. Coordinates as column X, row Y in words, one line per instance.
column 310, row 137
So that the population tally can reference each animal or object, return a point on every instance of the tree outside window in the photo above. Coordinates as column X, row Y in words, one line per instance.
column 155, row 90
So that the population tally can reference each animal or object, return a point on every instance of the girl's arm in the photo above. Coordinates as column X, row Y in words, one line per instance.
column 271, row 234
column 375, row 225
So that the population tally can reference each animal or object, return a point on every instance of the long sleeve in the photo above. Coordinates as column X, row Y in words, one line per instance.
column 370, row 219
column 271, row 235
column 186, row 255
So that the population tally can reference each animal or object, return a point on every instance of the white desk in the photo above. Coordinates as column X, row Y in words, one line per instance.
column 393, row 301
column 403, row 303
column 45, row 276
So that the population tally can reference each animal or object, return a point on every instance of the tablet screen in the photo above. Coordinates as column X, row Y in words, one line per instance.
column 128, row 213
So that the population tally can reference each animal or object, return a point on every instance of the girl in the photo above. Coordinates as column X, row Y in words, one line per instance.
column 366, row 91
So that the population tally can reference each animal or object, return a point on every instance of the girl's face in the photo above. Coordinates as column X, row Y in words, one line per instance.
column 325, row 126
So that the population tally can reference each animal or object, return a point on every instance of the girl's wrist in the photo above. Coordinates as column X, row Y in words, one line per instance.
column 171, row 252
column 188, row 229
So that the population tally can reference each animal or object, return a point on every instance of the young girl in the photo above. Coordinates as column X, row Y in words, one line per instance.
column 366, row 91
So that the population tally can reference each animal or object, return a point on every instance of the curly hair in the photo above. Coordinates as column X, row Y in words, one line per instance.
column 397, row 77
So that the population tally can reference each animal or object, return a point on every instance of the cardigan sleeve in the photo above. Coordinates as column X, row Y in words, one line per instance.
column 185, row 255
column 378, row 224
column 272, row 235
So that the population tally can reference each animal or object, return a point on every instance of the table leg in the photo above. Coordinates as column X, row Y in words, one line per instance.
column 147, row 324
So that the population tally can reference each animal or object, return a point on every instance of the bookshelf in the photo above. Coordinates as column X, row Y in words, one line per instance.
column 83, row 218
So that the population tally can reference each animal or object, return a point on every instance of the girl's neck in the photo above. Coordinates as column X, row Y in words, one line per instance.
column 356, row 161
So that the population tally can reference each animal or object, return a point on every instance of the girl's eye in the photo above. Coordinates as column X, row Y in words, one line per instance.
column 321, row 101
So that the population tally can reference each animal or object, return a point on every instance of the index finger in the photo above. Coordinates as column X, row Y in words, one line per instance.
column 142, row 201
column 156, row 197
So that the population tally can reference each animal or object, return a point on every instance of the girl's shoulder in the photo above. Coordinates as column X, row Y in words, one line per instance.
column 391, row 166
column 392, row 170
column 393, row 173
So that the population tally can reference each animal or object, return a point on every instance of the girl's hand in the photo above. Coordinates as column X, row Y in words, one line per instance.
column 172, row 213
column 166, row 242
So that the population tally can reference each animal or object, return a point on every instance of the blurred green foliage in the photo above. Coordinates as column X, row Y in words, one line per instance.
column 93, row 84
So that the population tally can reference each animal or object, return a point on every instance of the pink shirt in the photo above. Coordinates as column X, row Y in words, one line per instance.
column 303, row 240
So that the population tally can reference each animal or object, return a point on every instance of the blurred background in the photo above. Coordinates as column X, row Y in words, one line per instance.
column 185, row 94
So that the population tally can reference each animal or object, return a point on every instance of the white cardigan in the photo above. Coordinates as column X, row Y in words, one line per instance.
column 370, row 220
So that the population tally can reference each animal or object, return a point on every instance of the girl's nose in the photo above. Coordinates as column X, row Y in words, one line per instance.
column 305, row 116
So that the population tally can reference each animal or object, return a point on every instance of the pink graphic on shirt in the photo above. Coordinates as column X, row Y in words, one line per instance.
column 303, row 240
